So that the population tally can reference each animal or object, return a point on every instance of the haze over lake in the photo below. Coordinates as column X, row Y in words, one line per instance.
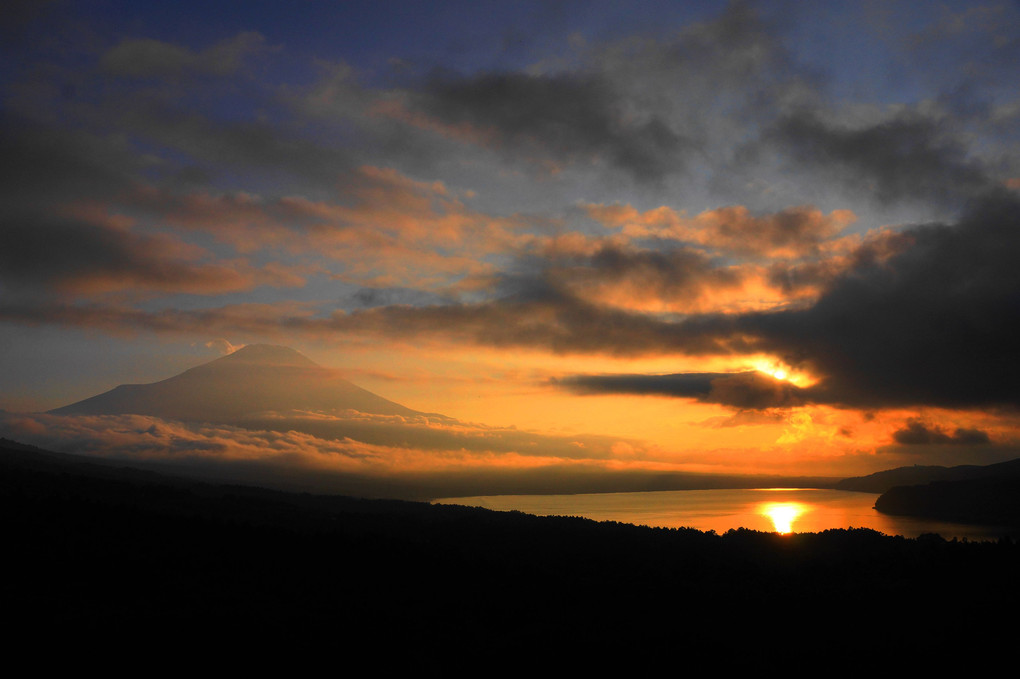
column 802, row 510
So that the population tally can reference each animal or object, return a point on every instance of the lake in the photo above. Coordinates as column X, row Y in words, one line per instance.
column 784, row 510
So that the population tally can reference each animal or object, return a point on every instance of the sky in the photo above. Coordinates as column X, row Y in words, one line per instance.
column 731, row 237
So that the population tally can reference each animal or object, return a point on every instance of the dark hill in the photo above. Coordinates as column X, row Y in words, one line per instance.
column 113, row 563
column 989, row 500
column 880, row 482
column 255, row 379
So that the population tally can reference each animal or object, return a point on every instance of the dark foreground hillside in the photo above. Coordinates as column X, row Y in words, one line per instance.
column 991, row 500
column 112, row 564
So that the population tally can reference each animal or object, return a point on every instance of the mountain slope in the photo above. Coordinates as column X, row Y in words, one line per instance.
column 98, row 553
column 256, row 379
column 988, row 500
column 880, row 482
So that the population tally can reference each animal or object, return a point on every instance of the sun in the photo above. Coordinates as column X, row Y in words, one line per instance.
column 782, row 514
column 778, row 370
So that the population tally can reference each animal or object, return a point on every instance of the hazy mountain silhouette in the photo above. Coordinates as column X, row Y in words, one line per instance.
column 985, row 494
column 882, row 481
column 255, row 379
column 264, row 388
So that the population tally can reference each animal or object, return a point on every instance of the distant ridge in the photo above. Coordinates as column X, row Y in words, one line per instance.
column 880, row 482
column 987, row 494
column 256, row 379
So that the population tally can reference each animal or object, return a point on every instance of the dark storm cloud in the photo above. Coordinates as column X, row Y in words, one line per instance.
column 542, row 319
column 744, row 391
column 821, row 273
column 633, row 276
column 667, row 271
column 928, row 316
column 930, row 319
column 649, row 107
column 42, row 165
column 794, row 230
column 562, row 118
column 918, row 433
column 934, row 324
column 57, row 232
column 77, row 256
column 909, row 156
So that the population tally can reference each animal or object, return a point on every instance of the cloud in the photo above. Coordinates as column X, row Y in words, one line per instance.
column 789, row 233
column 932, row 324
column 43, row 165
column 380, row 228
column 541, row 319
column 223, row 346
column 743, row 391
column 562, row 118
column 813, row 275
column 908, row 156
column 252, row 148
column 346, row 442
column 651, row 109
column 377, row 297
column 747, row 418
column 677, row 279
column 919, row 433
column 343, row 176
column 83, row 256
column 148, row 58
column 437, row 433
column 981, row 37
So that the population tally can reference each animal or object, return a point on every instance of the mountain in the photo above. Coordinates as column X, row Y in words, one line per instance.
column 880, row 482
column 988, row 494
column 990, row 500
column 258, row 378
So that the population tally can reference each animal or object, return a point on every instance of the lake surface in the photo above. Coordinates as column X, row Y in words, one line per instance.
column 801, row 510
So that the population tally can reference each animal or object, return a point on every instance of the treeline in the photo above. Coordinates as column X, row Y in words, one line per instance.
column 98, row 555
column 991, row 501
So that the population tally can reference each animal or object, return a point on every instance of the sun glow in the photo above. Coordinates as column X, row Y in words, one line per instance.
column 779, row 371
column 782, row 514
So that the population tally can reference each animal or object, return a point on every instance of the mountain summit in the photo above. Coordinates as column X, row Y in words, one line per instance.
column 268, row 354
column 254, row 380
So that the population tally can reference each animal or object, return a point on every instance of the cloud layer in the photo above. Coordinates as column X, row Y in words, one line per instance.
column 660, row 205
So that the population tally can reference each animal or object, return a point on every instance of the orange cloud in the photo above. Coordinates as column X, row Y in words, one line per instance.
column 385, row 229
column 84, row 250
column 790, row 233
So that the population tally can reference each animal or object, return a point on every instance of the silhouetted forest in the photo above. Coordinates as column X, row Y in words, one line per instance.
column 982, row 494
column 990, row 500
column 102, row 561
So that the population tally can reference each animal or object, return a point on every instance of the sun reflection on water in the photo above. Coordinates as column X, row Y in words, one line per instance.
column 782, row 514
